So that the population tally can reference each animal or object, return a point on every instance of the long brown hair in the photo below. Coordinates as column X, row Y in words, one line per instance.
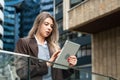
column 53, row 38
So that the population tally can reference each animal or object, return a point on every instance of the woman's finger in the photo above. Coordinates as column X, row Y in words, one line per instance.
column 56, row 53
column 72, row 60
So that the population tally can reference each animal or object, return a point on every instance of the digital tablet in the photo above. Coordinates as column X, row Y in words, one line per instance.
column 69, row 48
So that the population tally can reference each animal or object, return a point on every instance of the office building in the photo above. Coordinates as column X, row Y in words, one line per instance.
column 46, row 5
column 29, row 9
column 11, row 25
column 100, row 18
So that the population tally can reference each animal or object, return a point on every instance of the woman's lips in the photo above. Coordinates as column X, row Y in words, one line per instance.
column 47, row 32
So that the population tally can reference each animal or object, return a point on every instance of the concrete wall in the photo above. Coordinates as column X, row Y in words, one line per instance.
column 87, row 12
column 106, row 52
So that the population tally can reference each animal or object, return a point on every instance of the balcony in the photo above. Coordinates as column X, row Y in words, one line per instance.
column 10, row 63
column 92, row 16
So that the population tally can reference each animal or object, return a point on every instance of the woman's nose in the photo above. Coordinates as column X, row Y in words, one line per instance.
column 49, row 27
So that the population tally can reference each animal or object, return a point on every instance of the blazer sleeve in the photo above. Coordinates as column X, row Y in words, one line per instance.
column 36, row 67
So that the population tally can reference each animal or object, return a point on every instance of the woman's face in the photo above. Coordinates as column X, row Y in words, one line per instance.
column 46, row 28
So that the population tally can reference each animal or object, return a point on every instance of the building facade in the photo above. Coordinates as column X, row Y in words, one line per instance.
column 29, row 9
column 11, row 25
column 46, row 5
column 1, row 22
column 100, row 18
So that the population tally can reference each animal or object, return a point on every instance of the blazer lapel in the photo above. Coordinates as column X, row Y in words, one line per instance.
column 33, row 47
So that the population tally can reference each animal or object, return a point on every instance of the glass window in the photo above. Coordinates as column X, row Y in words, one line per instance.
column 75, row 2
column 85, row 75
column 58, row 8
column 84, row 51
column 72, row 35
column 79, row 53
column 88, row 49
column 60, row 23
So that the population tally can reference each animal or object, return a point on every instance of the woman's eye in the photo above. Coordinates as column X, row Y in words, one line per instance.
column 46, row 24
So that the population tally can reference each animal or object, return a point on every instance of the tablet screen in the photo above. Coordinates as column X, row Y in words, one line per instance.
column 69, row 48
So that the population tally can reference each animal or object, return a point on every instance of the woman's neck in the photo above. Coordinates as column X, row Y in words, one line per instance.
column 40, row 39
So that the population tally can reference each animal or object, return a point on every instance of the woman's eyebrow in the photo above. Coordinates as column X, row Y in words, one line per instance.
column 49, row 23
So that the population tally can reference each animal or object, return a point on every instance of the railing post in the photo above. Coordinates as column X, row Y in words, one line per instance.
column 28, row 68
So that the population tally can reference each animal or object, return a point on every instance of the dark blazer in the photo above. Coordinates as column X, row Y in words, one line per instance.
column 37, row 69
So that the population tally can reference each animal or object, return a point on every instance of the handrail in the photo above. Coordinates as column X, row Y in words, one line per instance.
column 14, row 53
column 28, row 56
column 32, row 57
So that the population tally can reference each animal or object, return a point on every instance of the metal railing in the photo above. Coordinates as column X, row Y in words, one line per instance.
column 11, row 62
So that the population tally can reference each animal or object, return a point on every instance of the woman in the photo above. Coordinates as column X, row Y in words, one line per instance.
column 42, row 42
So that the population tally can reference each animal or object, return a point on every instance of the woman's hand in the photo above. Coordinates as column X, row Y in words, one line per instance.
column 53, row 57
column 72, row 60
